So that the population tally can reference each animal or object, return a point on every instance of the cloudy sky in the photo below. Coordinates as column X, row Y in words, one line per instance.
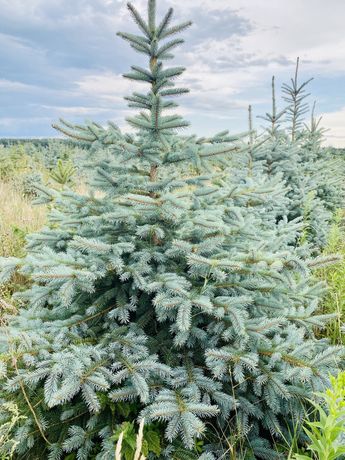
column 61, row 58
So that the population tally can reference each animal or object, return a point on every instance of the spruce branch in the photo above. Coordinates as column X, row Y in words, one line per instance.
column 32, row 410
column 138, row 19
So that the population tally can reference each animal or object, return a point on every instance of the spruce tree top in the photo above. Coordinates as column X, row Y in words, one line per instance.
column 156, row 142
column 155, row 127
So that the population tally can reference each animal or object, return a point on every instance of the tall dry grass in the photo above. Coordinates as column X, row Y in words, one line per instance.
column 17, row 218
column 334, row 276
column 139, row 444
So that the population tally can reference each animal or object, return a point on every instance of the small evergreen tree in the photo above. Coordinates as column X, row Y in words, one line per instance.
column 312, row 176
column 326, row 168
column 306, row 181
column 166, row 297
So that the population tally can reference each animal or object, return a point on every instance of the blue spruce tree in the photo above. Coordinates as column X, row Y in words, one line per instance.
column 162, row 294
column 326, row 171
column 312, row 176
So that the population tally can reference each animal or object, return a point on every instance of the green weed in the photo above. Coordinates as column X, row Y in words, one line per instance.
column 326, row 433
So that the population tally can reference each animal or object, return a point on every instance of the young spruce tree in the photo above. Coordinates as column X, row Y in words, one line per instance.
column 312, row 176
column 165, row 296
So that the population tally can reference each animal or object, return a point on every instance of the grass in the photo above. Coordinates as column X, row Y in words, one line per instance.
column 13, row 416
column 334, row 276
column 18, row 217
column 138, row 444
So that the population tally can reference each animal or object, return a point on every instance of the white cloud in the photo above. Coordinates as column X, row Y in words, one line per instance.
column 10, row 85
column 107, row 86
column 312, row 29
column 335, row 122
column 13, row 122
column 76, row 110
